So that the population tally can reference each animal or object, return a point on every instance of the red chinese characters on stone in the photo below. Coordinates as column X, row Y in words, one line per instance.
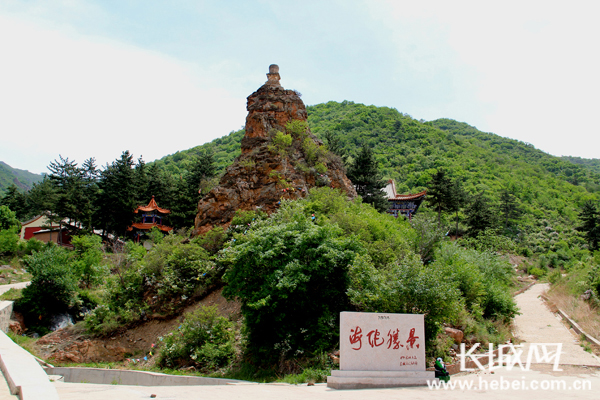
column 411, row 339
column 374, row 339
column 356, row 337
column 393, row 339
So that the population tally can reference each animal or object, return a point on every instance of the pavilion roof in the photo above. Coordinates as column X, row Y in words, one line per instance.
column 147, row 226
column 409, row 196
column 390, row 191
column 151, row 207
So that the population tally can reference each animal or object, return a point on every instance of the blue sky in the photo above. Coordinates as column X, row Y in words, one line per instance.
column 93, row 78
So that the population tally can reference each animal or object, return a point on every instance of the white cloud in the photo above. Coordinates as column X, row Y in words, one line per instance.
column 64, row 93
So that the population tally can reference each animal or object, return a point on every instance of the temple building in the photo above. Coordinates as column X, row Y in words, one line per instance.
column 152, row 216
column 403, row 204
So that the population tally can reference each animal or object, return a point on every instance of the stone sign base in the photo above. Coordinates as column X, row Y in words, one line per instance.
column 378, row 379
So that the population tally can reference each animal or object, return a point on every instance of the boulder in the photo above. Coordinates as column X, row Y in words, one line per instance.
column 455, row 334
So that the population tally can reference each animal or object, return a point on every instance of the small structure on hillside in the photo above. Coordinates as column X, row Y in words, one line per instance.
column 152, row 216
column 42, row 228
column 403, row 204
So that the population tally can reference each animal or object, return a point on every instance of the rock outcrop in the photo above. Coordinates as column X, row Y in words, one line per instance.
column 281, row 159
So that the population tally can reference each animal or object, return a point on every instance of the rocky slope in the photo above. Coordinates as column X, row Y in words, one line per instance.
column 281, row 159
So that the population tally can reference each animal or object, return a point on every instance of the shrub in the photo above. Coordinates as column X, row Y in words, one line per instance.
column 537, row 272
column 9, row 241
column 482, row 277
column 52, row 289
column 291, row 279
column 87, row 265
column 204, row 340
column 426, row 237
column 213, row 240
column 407, row 288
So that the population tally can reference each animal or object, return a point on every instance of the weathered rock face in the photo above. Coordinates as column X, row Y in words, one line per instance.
column 264, row 174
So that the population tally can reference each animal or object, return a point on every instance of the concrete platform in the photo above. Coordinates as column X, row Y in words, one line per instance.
column 25, row 377
column 128, row 377
column 378, row 379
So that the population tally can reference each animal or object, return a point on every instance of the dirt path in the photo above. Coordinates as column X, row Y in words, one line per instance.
column 537, row 324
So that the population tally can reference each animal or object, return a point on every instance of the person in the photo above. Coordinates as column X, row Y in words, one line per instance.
column 440, row 370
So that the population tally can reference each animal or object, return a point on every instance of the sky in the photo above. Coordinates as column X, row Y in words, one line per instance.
column 86, row 78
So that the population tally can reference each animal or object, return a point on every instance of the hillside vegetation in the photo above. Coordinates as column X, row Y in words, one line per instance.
column 22, row 179
column 549, row 190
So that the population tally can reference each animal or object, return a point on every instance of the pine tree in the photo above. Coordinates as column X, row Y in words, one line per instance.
column 439, row 193
column 590, row 224
column 41, row 198
column 509, row 207
column 16, row 201
column 480, row 215
column 364, row 174
column 190, row 189
column 117, row 199
column 457, row 199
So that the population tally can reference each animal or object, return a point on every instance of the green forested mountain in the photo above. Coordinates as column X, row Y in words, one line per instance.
column 20, row 178
column 549, row 189
column 592, row 164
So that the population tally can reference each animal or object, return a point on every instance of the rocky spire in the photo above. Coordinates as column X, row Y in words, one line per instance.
column 261, row 176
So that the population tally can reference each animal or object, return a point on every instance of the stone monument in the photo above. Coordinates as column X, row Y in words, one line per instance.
column 381, row 350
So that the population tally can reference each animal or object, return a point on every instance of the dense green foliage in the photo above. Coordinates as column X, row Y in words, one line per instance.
column 204, row 340
column 85, row 198
column 293, row 274
column 592, row 164
column 53, row 288
column 364, row 174
column 547, row 190
column 590, row 224
column 161, row 280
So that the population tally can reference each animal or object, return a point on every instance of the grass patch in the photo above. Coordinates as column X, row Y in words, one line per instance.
column 24, row 341
column 12, row 295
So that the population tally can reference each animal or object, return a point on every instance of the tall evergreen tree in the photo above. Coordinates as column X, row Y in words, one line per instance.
column 458, row 198
column 117, row 198
column 590, row 224
column 190, row 189
column 509, row 207
column 16, row 201
column 90, row 175
column 41, row 198
column 480, row 215
column 366, row 177
column 67, row 180
column 439, row 193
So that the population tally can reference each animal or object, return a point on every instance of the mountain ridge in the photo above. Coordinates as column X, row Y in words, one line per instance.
column 22, row 179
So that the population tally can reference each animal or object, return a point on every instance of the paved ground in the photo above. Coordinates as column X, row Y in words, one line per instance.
column 6, row 288
column 536, row 325
column 4, row 390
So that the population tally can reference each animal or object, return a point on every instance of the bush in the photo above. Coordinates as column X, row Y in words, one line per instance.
column 162, row 281
column 204, row 340
column 291, row 279
column 537, row 272
column 426, row 237
column 482, row 277
column 87, row 266
column 407, row 288
column 9, row 241
column 53, row 286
